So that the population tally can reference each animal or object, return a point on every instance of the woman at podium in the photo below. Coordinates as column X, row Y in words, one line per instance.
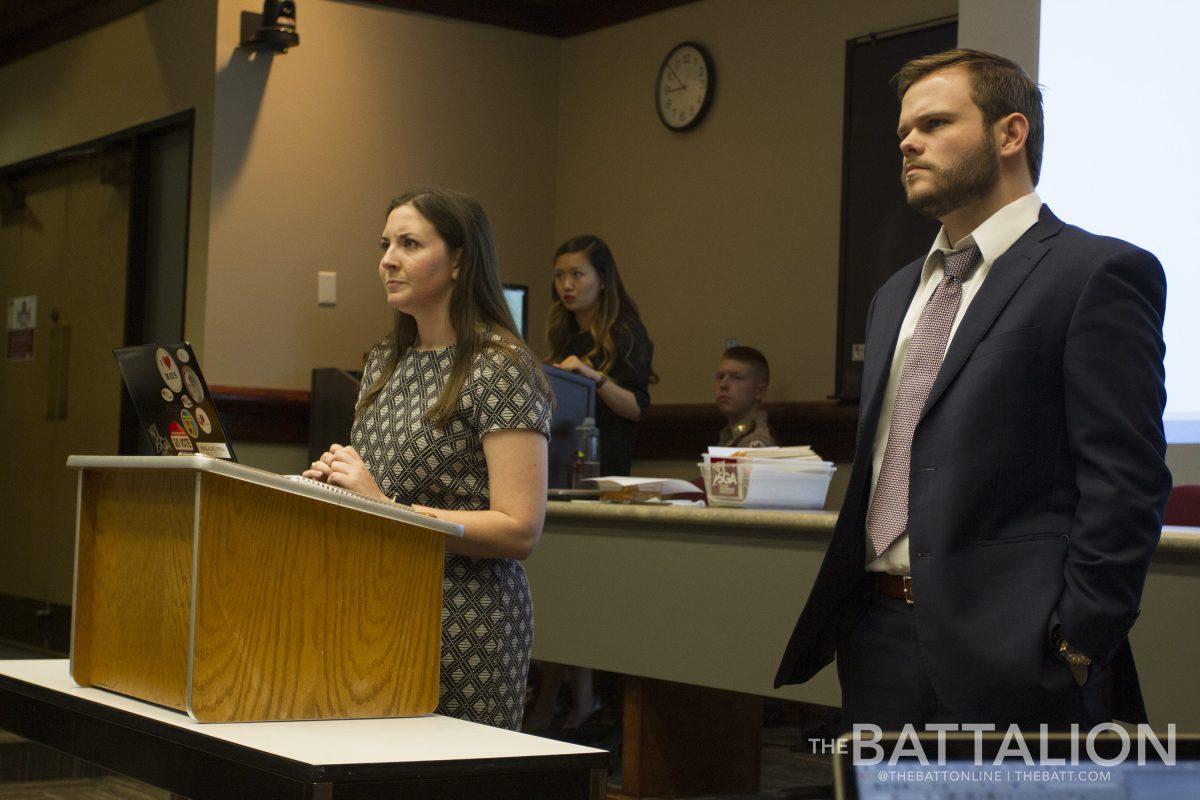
column 453, row 417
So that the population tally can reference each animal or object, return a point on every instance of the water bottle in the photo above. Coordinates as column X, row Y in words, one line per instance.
column 587, row 452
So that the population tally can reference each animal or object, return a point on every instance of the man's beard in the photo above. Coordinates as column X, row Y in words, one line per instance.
column 971, row 178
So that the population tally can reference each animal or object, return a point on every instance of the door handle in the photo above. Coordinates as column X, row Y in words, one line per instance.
column 60, row 370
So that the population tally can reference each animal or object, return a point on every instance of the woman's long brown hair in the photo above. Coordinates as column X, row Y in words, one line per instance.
column 478, row 312
column 615, row 310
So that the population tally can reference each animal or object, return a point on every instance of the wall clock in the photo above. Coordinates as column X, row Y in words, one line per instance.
column 684, row 89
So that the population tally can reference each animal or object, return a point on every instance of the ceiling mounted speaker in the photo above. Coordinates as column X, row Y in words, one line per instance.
column 277, row 28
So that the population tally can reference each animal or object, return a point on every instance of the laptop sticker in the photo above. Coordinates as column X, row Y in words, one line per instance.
column 194, row 387
column 161, row 444
column 203, row 420
column 214, row 449
column 189, row 423
column 180, row 439
column 168, row 370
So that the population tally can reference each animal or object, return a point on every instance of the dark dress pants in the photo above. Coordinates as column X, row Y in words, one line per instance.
column 884, row 682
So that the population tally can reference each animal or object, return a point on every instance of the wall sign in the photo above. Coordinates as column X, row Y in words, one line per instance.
column 22, row 319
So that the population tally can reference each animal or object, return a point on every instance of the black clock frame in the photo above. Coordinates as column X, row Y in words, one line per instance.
column 708, row 97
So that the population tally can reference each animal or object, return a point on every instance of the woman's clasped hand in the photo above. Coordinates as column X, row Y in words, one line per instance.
column 342, row 466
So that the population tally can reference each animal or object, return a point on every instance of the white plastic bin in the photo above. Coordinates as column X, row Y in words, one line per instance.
column 766, row 484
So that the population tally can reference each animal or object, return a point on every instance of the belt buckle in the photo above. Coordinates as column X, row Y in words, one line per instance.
column 906, row 581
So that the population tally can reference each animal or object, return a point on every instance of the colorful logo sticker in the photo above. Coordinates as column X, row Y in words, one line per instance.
column 205, row 422
column 187, row 401
column 179, row 439
column 189, row 423
column 214, row 449
column 194, row 387
column 182, row 355
column 168, row 395
column 168, row 370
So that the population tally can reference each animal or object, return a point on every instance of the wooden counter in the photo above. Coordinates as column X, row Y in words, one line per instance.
column 709, row 596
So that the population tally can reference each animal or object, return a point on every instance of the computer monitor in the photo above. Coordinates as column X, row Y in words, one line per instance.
column 574, row 399
column 517, row 298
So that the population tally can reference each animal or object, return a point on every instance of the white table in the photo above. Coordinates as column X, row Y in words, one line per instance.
column 420, row 757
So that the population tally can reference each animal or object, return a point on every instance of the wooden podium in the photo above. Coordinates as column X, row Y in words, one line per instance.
column 238, row 595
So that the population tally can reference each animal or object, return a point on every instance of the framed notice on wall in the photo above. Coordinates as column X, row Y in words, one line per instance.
column 22, row 321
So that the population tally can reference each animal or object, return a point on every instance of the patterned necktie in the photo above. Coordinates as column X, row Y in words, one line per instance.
column 888, row 517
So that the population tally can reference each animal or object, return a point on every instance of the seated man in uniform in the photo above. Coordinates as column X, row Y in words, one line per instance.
column 742, row 379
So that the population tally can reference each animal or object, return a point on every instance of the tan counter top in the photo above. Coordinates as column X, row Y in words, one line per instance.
column 799, row 521
column 1176, row 541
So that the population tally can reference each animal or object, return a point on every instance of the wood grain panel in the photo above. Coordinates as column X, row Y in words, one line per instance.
column 306, row 610
column 668, row 431
column 684, row 430
column 682, row 740
column 133, row 583
column 250, row 414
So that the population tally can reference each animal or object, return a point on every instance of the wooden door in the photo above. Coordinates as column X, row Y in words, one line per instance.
column 68, row 247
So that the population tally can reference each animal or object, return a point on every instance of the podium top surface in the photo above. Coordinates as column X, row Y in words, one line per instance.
column 241, row 472
column 324, row 743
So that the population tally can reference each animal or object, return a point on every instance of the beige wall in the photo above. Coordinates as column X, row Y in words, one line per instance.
column 142, row 67
column 732, row 229
column 556, row 138
column 301, row 151
column 309, row 146
column 1009, row 28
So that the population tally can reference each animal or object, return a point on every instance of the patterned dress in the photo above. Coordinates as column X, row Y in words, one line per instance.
column 487, row 614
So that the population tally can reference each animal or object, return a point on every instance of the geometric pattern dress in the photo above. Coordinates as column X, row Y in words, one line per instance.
column 487, row 612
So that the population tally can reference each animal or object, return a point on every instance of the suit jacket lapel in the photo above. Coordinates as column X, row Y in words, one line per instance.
column 1003, row 280
column 885, row 323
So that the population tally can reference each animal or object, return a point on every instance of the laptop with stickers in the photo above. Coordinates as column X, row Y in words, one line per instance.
column 173, row 404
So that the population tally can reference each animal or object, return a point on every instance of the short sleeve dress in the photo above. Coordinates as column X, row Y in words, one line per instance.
column 487, row 613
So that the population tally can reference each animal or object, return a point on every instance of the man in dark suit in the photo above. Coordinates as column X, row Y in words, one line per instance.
column 1009, row 483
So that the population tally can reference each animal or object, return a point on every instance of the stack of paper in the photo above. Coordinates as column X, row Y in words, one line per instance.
column 625, row 489
column 766, row 477
column 797, row 453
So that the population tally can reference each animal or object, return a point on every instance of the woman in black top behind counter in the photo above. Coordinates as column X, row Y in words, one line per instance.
column 595, row 331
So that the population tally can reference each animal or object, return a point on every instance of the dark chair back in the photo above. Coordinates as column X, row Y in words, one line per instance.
column 1183, row 506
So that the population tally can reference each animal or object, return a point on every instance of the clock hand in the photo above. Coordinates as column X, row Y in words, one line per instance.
column 682, row 85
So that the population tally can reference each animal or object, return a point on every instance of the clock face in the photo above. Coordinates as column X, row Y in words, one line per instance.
column 685, row 86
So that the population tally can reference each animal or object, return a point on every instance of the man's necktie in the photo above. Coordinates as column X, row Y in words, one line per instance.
column 888, row 517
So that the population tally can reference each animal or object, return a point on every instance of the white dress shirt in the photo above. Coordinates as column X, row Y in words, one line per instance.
column 993, row 238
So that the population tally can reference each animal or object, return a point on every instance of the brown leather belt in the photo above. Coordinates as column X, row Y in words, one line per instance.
column 897, row 586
